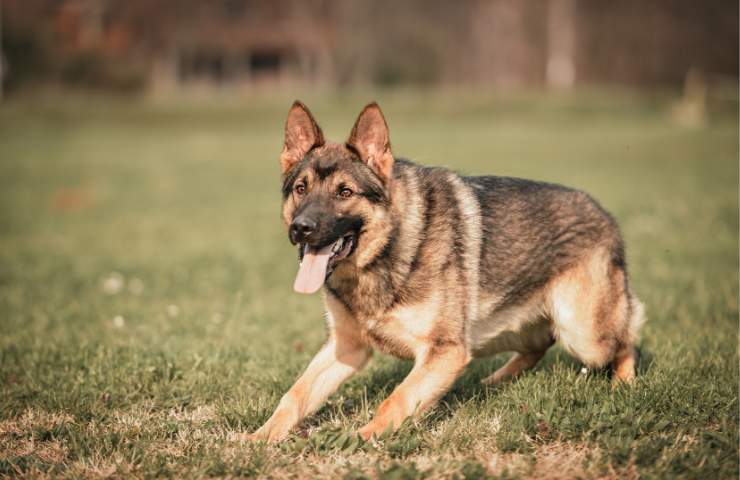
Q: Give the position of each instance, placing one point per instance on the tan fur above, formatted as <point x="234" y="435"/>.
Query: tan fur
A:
<point x="587" y="309"/>
<point x="624" y="365"/>
<point x="433" y="374"/>
<point x="590" y="310"/>
<point x="370" y="138"/>
<point x="301" y="134"/>
<point x="439" y="302"/>
<point x="342" y="356"/>
<point x="518" y="363"/>
<point x="518" y="328"/>
<point x="405" y="331"/>
<point x="470" y="212"/>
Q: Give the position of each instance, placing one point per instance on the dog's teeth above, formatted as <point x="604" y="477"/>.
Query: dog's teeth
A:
<point x="337" y="246"/>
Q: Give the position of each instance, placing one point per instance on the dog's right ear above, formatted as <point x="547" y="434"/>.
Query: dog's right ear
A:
<point x="371" y="140"/>
<point x="302" y="133"/>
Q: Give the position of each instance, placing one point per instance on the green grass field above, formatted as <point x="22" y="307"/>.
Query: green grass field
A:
<point x="147" y="315"/>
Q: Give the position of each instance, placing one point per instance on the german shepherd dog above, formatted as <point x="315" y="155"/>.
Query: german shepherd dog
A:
<point x="425" y="264"/>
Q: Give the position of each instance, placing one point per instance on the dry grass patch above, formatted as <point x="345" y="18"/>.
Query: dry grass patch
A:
<point x="198" y="416"/>
<point x="19" y="437"/>
<point x="558" y="461"/>
<point x="26" y="438"/>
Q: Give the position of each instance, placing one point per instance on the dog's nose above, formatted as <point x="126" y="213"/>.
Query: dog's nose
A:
<point x="301" y="228"/>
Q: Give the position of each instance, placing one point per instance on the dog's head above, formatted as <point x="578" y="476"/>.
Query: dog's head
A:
<point x="336" y="196"/>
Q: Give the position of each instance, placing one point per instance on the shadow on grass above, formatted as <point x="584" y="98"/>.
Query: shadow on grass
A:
<point x="377" y="383"/>
<point x="645" y="360"/>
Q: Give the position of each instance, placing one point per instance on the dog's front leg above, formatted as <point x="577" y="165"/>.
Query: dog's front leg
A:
<point x="433" y="374"/>
<point x="338" y="359"/>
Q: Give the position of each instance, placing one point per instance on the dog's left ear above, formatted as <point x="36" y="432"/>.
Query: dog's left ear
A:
<point x="371" y="140"/>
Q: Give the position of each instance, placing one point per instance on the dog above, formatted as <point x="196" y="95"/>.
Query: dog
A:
<point x="424" y="264"/>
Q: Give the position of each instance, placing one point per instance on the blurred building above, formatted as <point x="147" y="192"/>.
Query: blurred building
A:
<point x="159" y="44"/>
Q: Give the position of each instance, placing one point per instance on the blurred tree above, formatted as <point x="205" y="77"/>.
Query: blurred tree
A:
<point x="161" y="44"/>
<point x="561" y="33"/>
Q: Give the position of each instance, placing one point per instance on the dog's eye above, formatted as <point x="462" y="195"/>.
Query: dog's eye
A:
<point x="300" y="189"/>
<point x="345" y="192"/>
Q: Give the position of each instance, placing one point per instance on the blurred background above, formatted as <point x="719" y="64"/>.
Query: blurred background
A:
<point x="126" y="125"/>
<point x="155" y="46"/>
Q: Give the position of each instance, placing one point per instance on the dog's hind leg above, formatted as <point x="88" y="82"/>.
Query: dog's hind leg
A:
<point x="624" y="363"/>
<point x="516" y="365"/>
<point x="596" y="318"/>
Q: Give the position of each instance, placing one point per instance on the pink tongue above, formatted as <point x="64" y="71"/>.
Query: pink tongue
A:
<point x="312" y="272"/>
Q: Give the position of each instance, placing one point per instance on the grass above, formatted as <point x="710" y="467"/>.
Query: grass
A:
<point x="147" y="314"/>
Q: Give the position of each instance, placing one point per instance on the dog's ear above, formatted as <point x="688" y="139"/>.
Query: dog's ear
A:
<point x="371" y="140"/>
<point x="302" y="133"/>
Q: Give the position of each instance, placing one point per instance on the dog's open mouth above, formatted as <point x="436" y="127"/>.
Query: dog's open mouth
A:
<point x="318" y="263"/>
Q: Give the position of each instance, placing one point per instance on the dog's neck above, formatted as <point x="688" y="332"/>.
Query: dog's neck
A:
<point x="374" y="281"/>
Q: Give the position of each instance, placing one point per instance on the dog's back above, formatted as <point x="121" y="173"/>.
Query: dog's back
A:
<point x="532" y="231"/>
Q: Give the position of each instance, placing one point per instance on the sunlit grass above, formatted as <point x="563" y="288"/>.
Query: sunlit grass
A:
<point x="147" y="314"/>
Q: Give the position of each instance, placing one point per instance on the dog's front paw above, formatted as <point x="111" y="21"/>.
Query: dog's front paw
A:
<point x="265" y="433"/>
<point x="365" y="432"/>
<point x="242" y="437"/>
<point x="245" y="437"/>
<point x="375" y="429"/>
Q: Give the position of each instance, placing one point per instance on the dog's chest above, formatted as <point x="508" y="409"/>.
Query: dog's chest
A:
<point x="404" y="331"/>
